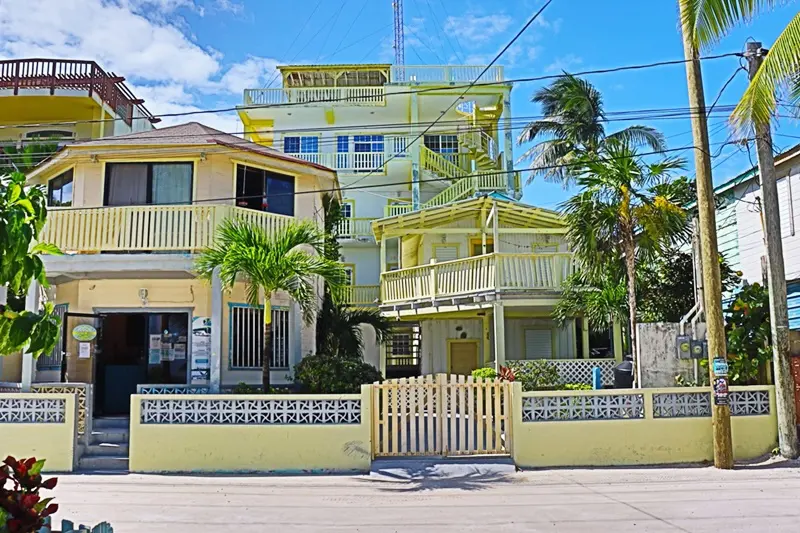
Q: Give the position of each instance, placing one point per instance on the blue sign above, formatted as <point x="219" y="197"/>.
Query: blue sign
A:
<point x="720" y="367"/>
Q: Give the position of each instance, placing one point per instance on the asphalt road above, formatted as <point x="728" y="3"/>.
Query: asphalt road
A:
<point x="760" y="498"/>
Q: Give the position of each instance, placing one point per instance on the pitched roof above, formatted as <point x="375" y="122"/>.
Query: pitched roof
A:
<point x="193" y="134"/>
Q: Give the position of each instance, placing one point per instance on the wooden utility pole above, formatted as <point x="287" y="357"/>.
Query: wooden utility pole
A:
<point x="776" y="276"/>
<point x="709" y="256"/>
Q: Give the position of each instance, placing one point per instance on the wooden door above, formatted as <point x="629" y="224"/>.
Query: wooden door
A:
<point x="463" y="357"/>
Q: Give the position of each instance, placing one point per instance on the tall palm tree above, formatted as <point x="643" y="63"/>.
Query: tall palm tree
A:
<point x="339" y="331"/>
<point x="290" y="260"/>
<point x="707" y="21"/>
<point x="624" y="211"/>
<point x="573" y="126"/>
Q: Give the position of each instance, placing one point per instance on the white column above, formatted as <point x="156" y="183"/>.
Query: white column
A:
<point x="32" y="301"/>
<point x="508" y="142"/>
<point x="215" y="359"/>
<point x="585" y="336"/>
<point x="499" y="335"/>
<point x="415" y="156"/>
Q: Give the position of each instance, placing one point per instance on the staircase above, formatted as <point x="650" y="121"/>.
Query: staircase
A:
<point x="108" y="446"/>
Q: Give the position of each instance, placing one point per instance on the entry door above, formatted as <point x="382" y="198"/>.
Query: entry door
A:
<point x="463" y="357"/>
<point x="81" y="336"/>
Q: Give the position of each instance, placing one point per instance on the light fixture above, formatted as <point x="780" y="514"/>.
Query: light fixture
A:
<point x="143" y="296"/>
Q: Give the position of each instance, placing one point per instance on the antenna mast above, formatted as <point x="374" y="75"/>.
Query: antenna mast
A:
<point x="399" y="40"/>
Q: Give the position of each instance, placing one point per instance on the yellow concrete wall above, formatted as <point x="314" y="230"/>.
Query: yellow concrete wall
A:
<point x="11" y="368"/>
<point x="633" y="442"/>
<point x="53" y="442"/>
<point x="250" y="448"/>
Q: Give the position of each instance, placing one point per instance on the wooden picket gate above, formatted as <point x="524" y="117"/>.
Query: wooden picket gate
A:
<point x="441" y="415"/>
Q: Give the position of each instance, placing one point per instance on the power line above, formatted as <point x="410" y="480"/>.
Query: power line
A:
<point x="473" y="84"/>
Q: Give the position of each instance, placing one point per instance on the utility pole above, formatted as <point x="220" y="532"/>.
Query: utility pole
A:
<point x="709" y="257"/>
<point x="776" y="276"/>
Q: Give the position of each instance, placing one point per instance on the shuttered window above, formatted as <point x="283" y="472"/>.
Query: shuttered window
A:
<point x="247" y="337"/>
<point x="446" y="253"/>
<point x="538" y="344"/>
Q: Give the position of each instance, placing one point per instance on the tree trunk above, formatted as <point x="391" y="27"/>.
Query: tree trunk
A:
<point x="630" y="268"/>
<point x="266" y="351"/>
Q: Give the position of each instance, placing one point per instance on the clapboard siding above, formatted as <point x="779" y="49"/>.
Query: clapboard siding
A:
<point x="793" y="301"/>
<point x="728" y="232"/>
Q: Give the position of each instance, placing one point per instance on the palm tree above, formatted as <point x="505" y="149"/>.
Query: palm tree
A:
<point x="708" y="21"/>
<point x="290" y="260"/>
<point x="625" y="209"/>
<point x="573" y="126"/>
<point x="339" y="331"/>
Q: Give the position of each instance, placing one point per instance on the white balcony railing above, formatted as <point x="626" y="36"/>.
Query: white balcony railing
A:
<point x="355" y="228"/>
<point x="445" y="73"/>
<point x="145" y="227"/>
<point x="395" y="147"/>
<point x="483" y="273"/>
<point x="359" y="96"/>
<point x="362" y="295"/>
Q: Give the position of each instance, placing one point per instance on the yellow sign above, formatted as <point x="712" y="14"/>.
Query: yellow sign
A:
<point x="84" y="333"/>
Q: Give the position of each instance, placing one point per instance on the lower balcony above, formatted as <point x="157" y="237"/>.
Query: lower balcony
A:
<point x="146" y="228"/>
<point x="496" y="273"/>
<point x="359" y="229"/>
<point x="362" y="295"/>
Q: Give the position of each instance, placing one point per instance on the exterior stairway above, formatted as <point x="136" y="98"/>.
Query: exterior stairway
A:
<point x="108" y="446"/>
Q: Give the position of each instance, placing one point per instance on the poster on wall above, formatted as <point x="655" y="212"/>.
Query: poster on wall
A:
<point x="154" y="352"/>
<point x="201" y="350"/>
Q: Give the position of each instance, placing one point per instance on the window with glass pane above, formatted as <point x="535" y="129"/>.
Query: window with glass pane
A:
<point x="172" y="183"/>
<point x="368" y="143"/>
<point x="291" y="145"/>
<point x="301" y="145"/>
<point x="148" y="183"/>
<point x="443" y="144"/>
<point x="347" y="209"/>
<point x="280" y="194"/>
<point x="342" y="143"/>
<point x="59" y="190"/>
<point x="348" y="275"/>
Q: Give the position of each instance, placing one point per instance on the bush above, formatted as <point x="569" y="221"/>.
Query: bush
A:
<point x="325" y="374"/>
<point x="485" y="373"/>
<point x="576" y="386"/>
<point x="535" y="374"/>
<point x="22" y="510"/>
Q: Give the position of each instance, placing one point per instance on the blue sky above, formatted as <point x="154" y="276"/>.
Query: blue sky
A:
<point x="183" y="55"/>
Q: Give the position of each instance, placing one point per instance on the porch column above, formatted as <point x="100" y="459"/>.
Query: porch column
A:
<point x="585" y="336"/>
<point x="499" y="336"/>
<point x="617" y="330"/>
<point x="215" y="359"/>
<point x="508" y="143"/>
<point x="383" y="254"/>
<point x="415" y="152"/>
<point x="382" y="362"/>
<point x="32" y="301"/>
<point x="487" y="346"/>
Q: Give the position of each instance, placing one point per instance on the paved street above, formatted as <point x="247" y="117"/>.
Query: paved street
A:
<point x="761" y="498"/>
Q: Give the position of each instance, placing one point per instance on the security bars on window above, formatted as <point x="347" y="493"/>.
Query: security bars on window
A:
<point x="247" y="337"/>
<point x="32" y="411"/>
<point x="250" y="412"/>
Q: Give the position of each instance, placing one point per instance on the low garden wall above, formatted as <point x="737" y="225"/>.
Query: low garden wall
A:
<point x="250" y="433"/>
<point x="41" y="425"/>
<point x="635" y="426"/>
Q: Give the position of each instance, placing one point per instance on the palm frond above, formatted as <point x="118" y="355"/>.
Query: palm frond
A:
<point x="641" y="136"/>
<point x="777" y="73"/>
<point x="551" y="126"/>
<point x="708" y="21"/>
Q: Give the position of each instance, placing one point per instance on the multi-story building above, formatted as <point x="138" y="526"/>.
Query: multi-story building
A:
<point x="65" y="100"/>
<point x="426" y="168"/>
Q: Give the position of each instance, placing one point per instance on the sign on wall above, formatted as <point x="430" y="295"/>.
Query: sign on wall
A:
<point x="84" y="333"/>
<point x="201" y="350"/>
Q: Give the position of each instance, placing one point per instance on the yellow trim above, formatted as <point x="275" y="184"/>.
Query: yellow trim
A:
<point x="352" y="203"/>
<point x="436" y="245"/>
<point x="72" y="167"/>
<point x="389" y="265"/>
<point x="268" y="169"/>
<point x="352" y="267"/>
<point x="479" y="241"/>
<point x="450" y="343"/>
<point x="552" y="330"/>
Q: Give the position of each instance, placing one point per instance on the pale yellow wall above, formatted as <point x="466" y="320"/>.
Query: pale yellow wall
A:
<point x="251" y="448"/>
<point x="633" y="442"/>
<point x="11" y="368"/>
<point x="53" y="442"/>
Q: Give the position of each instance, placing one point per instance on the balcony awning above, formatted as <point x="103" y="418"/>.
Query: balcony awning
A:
<point x="511" y="214"/>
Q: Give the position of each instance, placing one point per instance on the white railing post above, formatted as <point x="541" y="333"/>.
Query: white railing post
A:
<point x="433" y="280"/>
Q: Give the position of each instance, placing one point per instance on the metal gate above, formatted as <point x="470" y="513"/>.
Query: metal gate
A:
<point x="441" y="415"/>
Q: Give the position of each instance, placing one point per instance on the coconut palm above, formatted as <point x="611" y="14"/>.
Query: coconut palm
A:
<point x="290" y="260"/>
<point x="626" y="210"/>
<point x="707" y="21"/>
<point x="572" y="126"/>
<point x="339" y="331"/>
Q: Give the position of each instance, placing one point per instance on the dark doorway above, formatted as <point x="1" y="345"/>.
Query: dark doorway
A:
<point x="263" y="190"/>
<point x="139" y="348"/>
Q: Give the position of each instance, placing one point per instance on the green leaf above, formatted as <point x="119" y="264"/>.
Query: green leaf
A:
<point x="36" y="469"/>
<point x="27" y="206"/>
<point x="14" y="192"/>
<point x="46" y="248"/>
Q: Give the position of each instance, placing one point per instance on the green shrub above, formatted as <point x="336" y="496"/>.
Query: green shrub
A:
<point x="325" y="374"/>
<point x="485" y="373"/>
<point x="535" y="374"/>
<point x="244" y="388"/>
<point x="577" y="386"/>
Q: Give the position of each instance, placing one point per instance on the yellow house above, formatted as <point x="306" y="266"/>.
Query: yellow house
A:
<point x="476" y="281"/>
<point x="66" y="99"/>
<point x="130" y="213"/>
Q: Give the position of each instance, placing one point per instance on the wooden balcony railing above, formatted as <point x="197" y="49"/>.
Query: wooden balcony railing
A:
<point x="445" y="73"/>
<point x="362" y="295"/>
<point x="354" y="228"/>
<point x="145" y="227"/>
<point x="331" y="96"/>
<point x="480" y="274"/>
<point x="52" y="74"/>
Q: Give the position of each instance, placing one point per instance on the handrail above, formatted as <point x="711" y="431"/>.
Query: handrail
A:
<point x="445" y="73"/>
<point x="360" y="96"/>
<point x="365" y="295"/>
<point x="430" y="160"/>
<point x="355" y="227"/>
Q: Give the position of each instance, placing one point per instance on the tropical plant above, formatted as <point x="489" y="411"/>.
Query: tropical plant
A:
<point x="535" y="374"/>
<point x="290" y="260"/>
<point x="573" y="125"/>
<point x="624" y="211"/>
<point x="707" y="21"/>
<point x="484" y="373"/>
<point x="23" y="212"/>
<point x="22" y="509"/>
<point x="748" y="331"/>
<point x="326" y="374"/>
<point x="602" y="299"/>
<point x="339" y="332"/>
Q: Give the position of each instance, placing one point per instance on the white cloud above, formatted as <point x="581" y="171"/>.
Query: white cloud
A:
<point x="230" y="6"/>
<point x="251" y="73"/>
<point x="564" y="63"/>
<point x="475" y="30"/>
<point x="173" y="98"/>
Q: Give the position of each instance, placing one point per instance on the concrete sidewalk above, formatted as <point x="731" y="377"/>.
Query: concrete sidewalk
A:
<point x="763" y="498"/>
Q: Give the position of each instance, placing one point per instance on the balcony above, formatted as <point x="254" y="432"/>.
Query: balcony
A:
<point x="356" y="228"/>
<point x="474" y="276"/>
<point x="445" y="74"/>
<point x="71" y="75"/>
<point x="362" y="295"/>
<point x="394" y="148"/>
<point x="357" y="96"/>
<point x="146" y="228"/>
